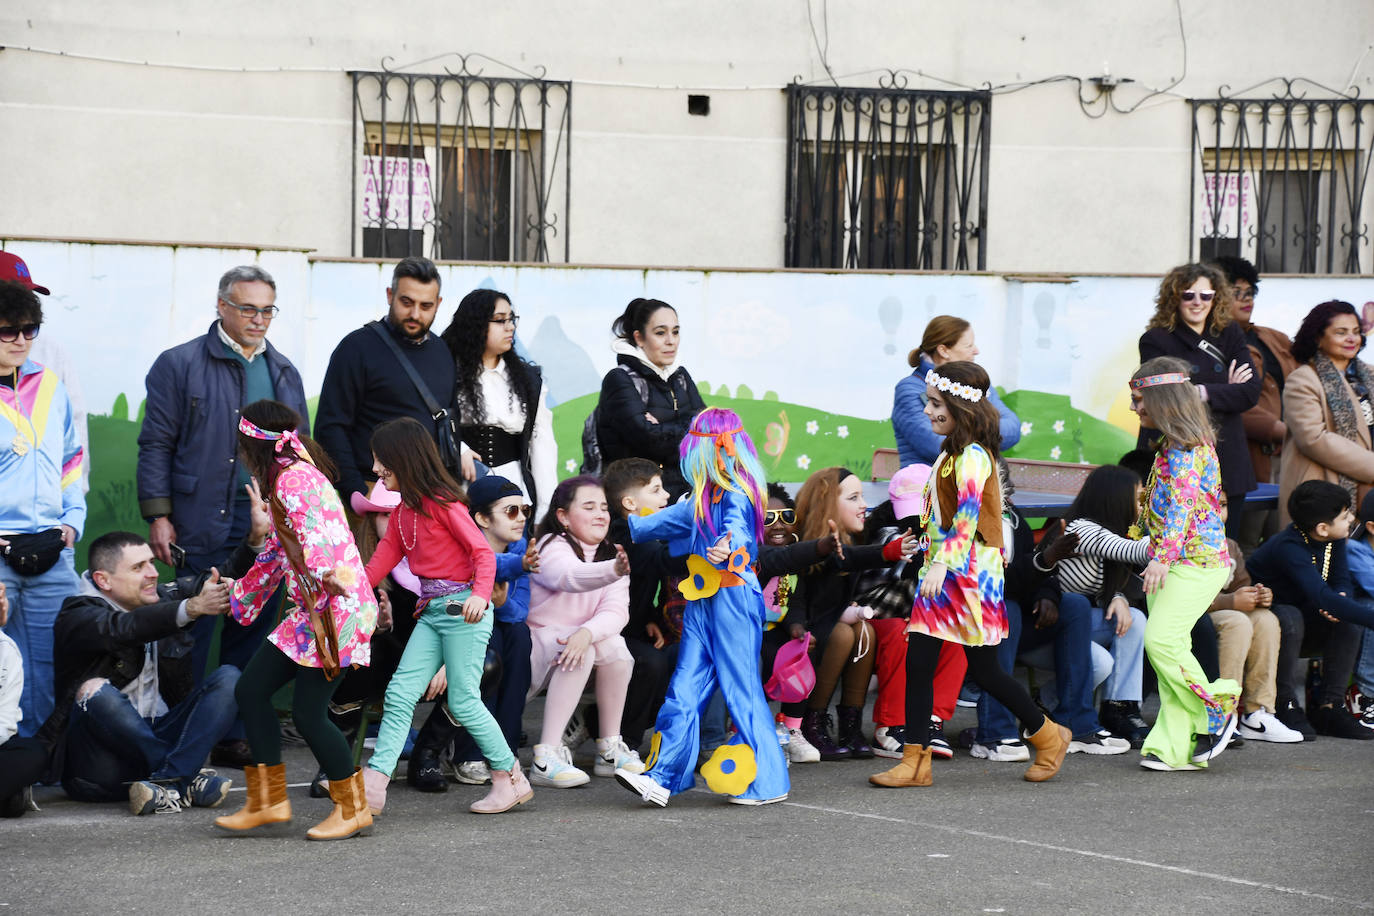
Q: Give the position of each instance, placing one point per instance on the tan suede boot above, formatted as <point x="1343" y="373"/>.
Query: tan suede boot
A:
<point x="266" y="802"/>
<point x="350" y="816"/>
<point x="1051" y="743"/>
<point x="914" y="770"/>
<point x="508" y="789"/>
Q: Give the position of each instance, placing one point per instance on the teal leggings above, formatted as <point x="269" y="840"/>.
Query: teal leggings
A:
<point x="441" y="639"/>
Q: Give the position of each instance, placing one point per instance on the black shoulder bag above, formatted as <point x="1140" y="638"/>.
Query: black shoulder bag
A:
<point x="446" y="434"/>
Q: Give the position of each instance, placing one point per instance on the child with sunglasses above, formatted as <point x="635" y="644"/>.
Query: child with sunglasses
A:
<point x="1194" y="322"/>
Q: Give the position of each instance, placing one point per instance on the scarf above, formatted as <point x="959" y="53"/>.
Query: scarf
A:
<point x="1343" y="409"/>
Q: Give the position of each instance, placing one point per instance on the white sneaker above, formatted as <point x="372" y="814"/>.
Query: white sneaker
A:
<point x="1262" y="725"/>
<point x="472" y="773"/>
<point x="736" y="800"/>
<point x="613" y="754"/>
<point x="1008" y="750"/>
<point x="799" y="750"/>
<point x="644" y="787"/>
<point x="887" y="741"/>
<point x="553" y="766"/>
<point x="1100" y="743"/>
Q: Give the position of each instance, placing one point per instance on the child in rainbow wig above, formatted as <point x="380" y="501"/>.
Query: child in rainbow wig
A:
<point x="719" y="525"/>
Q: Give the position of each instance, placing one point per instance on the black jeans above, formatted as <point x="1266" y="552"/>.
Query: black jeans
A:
<point x="22" y="762"/>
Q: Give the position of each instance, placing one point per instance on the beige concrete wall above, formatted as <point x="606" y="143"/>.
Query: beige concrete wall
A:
<point x="123" y="150"/>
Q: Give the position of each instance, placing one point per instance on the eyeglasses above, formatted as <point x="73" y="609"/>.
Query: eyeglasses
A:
<point x="1245" y="295"/>
<point x="10" y="335"/>
<point x="1189" y="295"/>
<point x="512" y="319"/>
<point x="248" y="311"/>
<point x="514" y="512"/>
<point x="772" y="516"/>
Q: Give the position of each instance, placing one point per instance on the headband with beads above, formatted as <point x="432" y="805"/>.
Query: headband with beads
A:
<point x="958" y="389"/>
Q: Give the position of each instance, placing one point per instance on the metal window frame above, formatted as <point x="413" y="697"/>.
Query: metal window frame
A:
<point x="936" y="143"/>
<point x="1324" y="143"/>
<point x="527" y="115"/>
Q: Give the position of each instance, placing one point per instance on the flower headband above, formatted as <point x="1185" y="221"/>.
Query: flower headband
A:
<point x="967" y="392"/>
<point x="286" y="437"/>
<point x="1150" y="381"/>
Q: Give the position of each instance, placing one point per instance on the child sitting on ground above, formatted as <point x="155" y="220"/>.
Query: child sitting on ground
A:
<point x="1305" y="564"/>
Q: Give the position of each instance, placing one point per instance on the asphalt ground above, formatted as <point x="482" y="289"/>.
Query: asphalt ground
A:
<point x="1285" y="829"/>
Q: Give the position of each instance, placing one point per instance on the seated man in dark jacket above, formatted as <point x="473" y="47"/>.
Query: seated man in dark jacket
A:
<point x="128" y="722"/>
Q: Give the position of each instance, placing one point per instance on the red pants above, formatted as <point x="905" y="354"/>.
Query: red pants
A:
<point x="890" y="707"/>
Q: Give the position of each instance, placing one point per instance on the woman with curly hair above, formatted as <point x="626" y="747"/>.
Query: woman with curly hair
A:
<point x="1193" y="321"/>
<point x="505" y="422"/>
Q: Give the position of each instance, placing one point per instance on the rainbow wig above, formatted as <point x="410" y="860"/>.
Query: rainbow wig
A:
<point x="718" y="455"/>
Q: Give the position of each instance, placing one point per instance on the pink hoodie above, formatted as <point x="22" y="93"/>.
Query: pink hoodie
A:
<point x="568" y="593"/>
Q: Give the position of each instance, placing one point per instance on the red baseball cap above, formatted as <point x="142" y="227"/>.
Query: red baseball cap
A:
<point x="13" y="268"/>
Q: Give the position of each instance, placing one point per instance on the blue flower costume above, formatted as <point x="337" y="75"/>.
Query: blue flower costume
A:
<point x="722" y="633"/>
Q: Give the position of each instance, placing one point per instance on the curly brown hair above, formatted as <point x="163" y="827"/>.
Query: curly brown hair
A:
<point x="1179" y="279"/>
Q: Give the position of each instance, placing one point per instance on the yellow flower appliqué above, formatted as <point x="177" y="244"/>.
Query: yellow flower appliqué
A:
<point x="704" y="580"/>
<point x="731" y="769"/>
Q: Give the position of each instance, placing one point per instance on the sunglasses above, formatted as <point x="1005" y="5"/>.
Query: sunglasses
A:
<point x="1189" y="295"/>
<point x="772" y="516"/>
<point x="514" y="512"/>
<point x="10" y="335"/>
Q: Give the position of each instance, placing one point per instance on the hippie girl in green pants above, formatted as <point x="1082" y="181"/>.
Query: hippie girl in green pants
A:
<point x="1189" y="565"/>
<point x="444" y="547"/>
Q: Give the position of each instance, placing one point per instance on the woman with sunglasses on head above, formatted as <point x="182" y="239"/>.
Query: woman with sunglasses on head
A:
<point x="1193" y="321"/>
<point x="501" y="396"/>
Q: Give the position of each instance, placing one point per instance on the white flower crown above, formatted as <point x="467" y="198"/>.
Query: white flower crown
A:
<point x="958" y="389"/>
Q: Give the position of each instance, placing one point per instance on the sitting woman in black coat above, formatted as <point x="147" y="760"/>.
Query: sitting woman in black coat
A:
<point x="1193" y="322"/>
<point x="648" y="400"/>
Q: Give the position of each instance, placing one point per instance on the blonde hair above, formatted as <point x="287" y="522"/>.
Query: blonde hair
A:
<point x="943" y="331"/>
<point x="1177" y="410"/>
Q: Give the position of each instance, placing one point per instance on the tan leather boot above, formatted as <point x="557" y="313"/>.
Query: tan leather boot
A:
<point x="1051" y="743"/>
<point x="914" y="770"/>
<point x="350" y="816"/>
<point x="266" y="802"/>
<point x="508" y="789"/>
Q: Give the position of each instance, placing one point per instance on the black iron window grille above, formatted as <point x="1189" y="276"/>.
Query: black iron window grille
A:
<point x="887" y="178"/>
<point x="461" y="165"/>
<point x="1283" y="181"/>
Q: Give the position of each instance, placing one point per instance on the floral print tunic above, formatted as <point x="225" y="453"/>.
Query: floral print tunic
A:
<point x="316" y="516"/>
<point x="1183" y="509"/>
<point x="970" y="608"/>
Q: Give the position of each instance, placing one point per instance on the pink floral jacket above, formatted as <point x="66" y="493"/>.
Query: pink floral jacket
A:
<point x="316" y="516"/>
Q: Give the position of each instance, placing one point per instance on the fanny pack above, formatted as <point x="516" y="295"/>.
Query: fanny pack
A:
<point x="33" y="554"/>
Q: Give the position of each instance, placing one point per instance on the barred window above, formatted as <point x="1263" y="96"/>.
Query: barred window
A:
<point x="887" y="178"/>
<point x="460" y="166"/>
<point x="1283" y="181"/>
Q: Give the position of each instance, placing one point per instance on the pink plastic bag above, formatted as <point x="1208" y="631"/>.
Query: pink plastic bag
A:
<point x="793" y="674"/>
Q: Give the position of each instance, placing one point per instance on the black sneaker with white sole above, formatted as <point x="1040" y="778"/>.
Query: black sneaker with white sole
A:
<point x="939" y="744"/>
<point x="1209" y="746"/>
<point x="1100" y="743"/>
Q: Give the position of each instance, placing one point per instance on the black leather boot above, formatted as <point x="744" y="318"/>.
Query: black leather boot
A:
<point x="423" y="773"/>
<point x="816" y="729"/>
<point x="851" y="733"/>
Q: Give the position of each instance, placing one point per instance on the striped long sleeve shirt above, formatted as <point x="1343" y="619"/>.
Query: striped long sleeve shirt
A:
<point x="1083" y="574"/>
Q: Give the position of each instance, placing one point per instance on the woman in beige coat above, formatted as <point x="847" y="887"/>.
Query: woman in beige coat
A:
<point x="1327" y="406"/>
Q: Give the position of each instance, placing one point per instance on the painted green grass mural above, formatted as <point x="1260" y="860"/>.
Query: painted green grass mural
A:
<point x="1054" y="430"/>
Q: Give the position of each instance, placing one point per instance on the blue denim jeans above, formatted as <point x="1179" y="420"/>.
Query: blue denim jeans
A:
<point x="109" y="745"/>
<point x="1128" y="655"/>
<point x="995" y="721"/>
<point x="34" y="603"/>
<point x="1364" y="662"/>
<point x="1071" y="637"/>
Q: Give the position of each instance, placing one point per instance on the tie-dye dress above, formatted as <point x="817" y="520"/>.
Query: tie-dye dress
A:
<point x="970" y="609"/>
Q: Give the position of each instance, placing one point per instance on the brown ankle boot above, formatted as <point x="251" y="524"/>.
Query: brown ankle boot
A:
<point x="914" y="770"/>
<point x="266" y="802"/>
<point x="350" y="816"/>
<point x="1051" y="743"/>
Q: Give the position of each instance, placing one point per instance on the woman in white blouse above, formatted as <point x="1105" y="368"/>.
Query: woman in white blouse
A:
<point x="501" y="398"/>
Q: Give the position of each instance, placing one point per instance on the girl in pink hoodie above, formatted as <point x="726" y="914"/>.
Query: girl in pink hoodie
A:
<point x="579" y="603"/>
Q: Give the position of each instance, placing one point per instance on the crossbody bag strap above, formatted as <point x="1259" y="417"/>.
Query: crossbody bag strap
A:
<point x="435" y="411"/>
